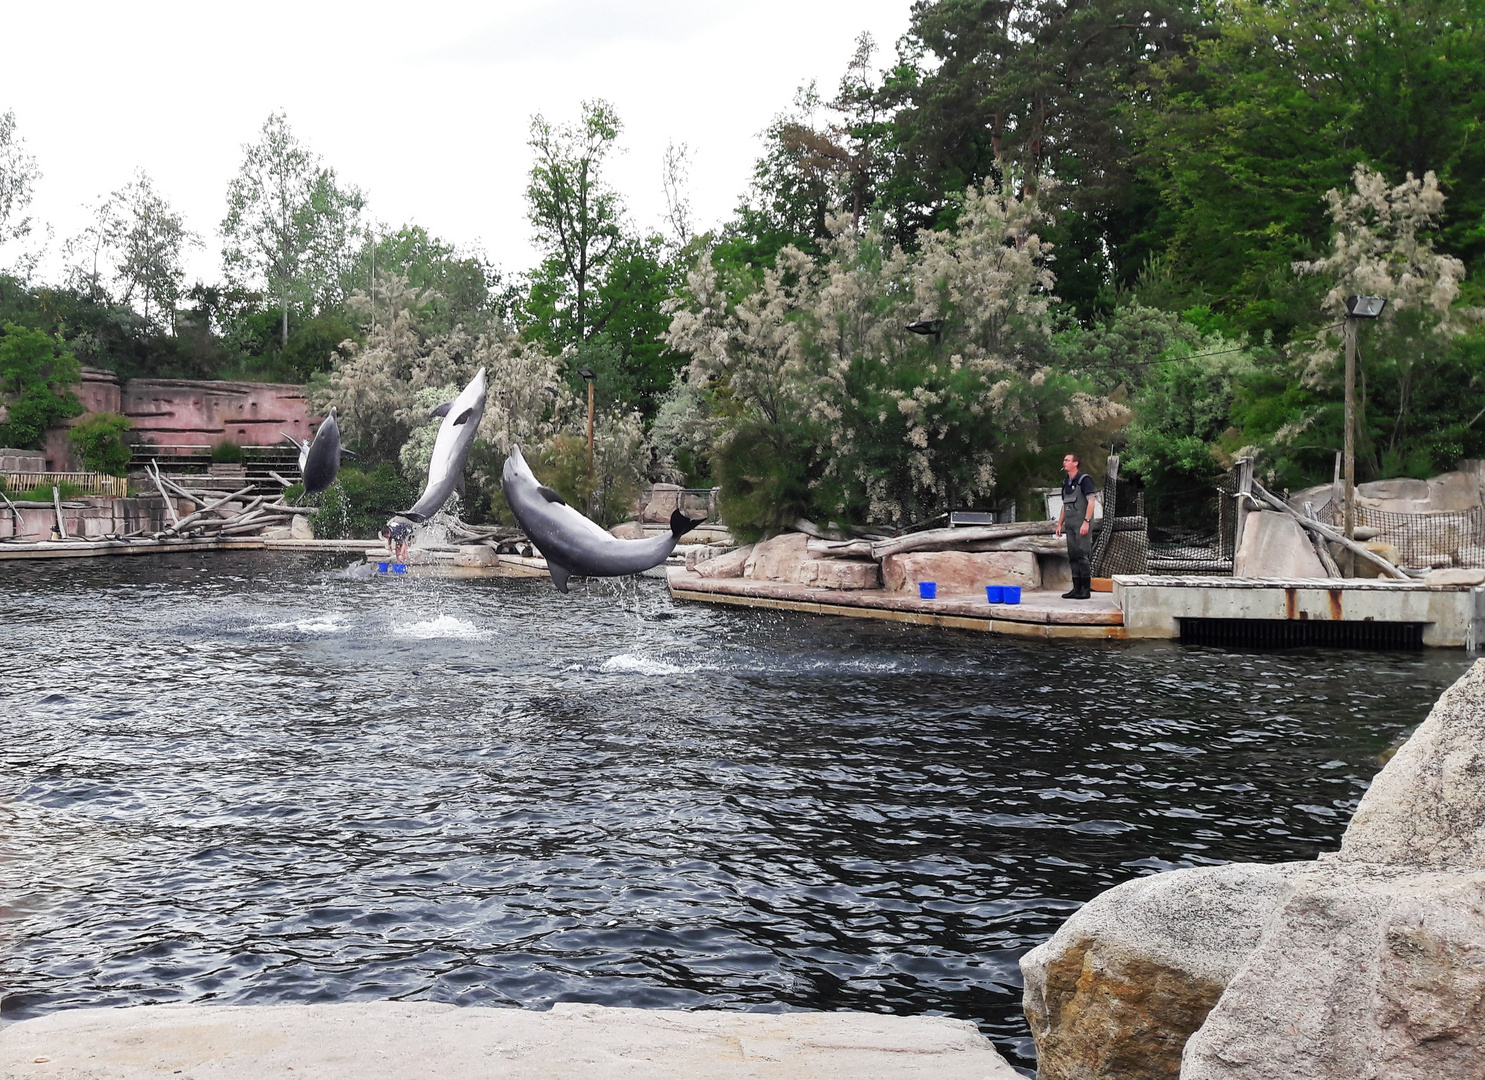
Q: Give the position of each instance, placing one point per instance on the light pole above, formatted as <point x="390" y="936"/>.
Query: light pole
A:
<point x="1357" y="307"/>
<point x="587" y="373"/>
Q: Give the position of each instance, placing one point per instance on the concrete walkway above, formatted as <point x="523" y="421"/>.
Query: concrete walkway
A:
<point x="1041" y="613"/>
<point x="389" y="1040"/>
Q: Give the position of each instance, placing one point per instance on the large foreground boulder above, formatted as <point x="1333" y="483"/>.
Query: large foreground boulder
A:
<point x="1361" y="973"/>
<point x="1368" y="963"/>
<point x="1121" y="986"/>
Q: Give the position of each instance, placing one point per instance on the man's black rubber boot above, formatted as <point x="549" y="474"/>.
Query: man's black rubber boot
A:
<point x="1082" y="588"/>
<point x="1073" y="595"/>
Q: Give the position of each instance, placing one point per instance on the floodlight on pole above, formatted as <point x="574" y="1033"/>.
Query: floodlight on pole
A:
<point x="1357" y="307"/>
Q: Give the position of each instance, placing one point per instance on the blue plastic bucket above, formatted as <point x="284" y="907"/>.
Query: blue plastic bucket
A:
<point x="399" y="568"/>
<point x="928" y="590"/>
<point x="381" y="567"/>
<point x="995" y="594"/>
<point x="1011" y="594"/>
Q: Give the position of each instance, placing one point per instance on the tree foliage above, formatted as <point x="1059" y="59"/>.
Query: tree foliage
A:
<point x="37" y="373"/>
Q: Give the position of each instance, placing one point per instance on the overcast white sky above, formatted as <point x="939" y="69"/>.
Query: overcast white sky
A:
<point x="425" y="106"/>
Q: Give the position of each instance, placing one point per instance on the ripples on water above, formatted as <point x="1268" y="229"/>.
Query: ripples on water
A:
<point x="240" y="779"/>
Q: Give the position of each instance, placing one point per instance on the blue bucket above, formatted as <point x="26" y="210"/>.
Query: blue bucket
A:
<point x="995" y="594"/>
<point x="399" y="568"/>
<point x="381" y="567"/>
<point x="927" y="590"/>
<point x="1011" y="593"/>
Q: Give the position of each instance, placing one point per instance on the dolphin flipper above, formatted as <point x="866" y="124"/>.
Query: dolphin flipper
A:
<point x="560" y="574"/>
<point x="549" y="495"/>
<point x="442" y="410"/>
<point x="464" y="417"/>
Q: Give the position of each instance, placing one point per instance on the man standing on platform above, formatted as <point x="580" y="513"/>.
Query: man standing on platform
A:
<point x="1078" y="499"/>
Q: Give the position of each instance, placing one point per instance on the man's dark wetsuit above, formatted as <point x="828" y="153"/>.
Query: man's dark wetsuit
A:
<point x="1077" y="492"/>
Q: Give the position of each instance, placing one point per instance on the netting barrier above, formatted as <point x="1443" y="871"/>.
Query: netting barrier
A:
<point x="1429" y="541"/>
<point x="1194" y="536"/>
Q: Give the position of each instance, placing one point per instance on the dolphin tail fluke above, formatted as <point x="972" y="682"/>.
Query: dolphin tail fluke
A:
<point x="680" y="524"/>
<point x="560" y="574"/>
<point x="413" y="515"/>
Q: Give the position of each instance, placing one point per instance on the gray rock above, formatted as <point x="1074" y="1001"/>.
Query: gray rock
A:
<point x="392" y="1040"/>
<point x="729" y="565"/>
<point x="1361" y="973"/>
<point x="1426" y="808"/>
<point x="1123" y="983"/>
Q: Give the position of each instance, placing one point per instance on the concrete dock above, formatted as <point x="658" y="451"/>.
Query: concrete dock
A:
<point x="1042" y="613"/>
<point x="395" y="1040"/>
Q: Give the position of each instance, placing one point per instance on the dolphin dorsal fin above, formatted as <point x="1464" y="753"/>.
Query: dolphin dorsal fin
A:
<point x="464" y="417"/>
<point x="442" y="410"/>
<point x="549" y="495"/>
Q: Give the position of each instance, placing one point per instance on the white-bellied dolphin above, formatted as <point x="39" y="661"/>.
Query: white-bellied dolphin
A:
<point x="570" y="543"/>
<point x="461" y="419"/>
<point x="319" y="461"/>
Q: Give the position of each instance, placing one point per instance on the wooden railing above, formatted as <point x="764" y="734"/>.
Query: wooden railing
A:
<point x="94" y="483"/>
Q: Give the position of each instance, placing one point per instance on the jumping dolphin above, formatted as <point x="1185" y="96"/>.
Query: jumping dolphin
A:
<point x="461" y="419"/>
<point x="319" y="461"/>
<point x="570" y="542"/>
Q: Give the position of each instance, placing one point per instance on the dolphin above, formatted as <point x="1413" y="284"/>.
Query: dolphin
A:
<point x="319" y="461"/>
<point x="461" y="419"/>
<point x="571" y="543"/>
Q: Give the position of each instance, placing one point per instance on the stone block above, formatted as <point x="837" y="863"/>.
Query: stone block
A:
<point x="960" y="571"/>
<point x="1275" y="546"/>
<point x="728" y="565"/>
<point x="1055" y="571"/>
<point x="665" y="499"/>
<point x="777" y="558"/>
<point x="301" y="529"/>
<point x="840" y="574"/>
<point x="1365" y="568"/>
<point x="1455" y="576"/>
<point x="629" y="530"/>
<point x="476" y="555"/>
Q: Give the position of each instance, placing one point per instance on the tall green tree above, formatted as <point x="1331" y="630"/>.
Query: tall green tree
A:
<point x="576" y="214"/>
<point x="291" y="226"/>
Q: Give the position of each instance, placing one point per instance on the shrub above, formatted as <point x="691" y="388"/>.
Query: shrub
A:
<point x="359" y="503"/>
<point x="226" y="453"/>
<point x="100" y="443"/>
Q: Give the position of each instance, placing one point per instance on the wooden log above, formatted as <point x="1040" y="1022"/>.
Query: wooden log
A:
<point x="1330" y="534"/>
<point x="1322" y="549"/>
<point x="190" y="518"/>
<point x="280" y="479"/>
<point x="160" y="487"/>
<point x="57" y="505"/>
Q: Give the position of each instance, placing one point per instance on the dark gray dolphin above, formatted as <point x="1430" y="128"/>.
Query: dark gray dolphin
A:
<point x="461" y="419"/>
<point x="571" y="543"/>
<point x="319" y="461"/>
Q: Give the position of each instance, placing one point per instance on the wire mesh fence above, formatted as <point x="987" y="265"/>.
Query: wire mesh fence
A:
<point x="1426" y="541"/>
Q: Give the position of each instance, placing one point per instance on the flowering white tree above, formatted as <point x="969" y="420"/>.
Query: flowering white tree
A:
<point x="818" y="363"/>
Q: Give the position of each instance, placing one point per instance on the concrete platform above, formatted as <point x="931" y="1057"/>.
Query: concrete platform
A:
<point x="390" y="1040"/>
<point x="83" y="549"/>
<point x="1452" y="616"/>
<point x="1041" y="613"/>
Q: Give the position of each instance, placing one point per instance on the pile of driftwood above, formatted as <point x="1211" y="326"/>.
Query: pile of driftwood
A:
<point x="238" y="514"/>
<point x="1036" y="536"/>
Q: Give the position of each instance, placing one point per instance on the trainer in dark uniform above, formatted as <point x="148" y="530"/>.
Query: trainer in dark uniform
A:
<point x="1078" y="498"/>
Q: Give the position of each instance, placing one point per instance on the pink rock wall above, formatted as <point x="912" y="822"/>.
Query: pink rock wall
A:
<point x="187" y="415"/>
<point x="200" y="413"/>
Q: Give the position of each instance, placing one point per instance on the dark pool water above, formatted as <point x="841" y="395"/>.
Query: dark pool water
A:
<point x="240" y="779"/>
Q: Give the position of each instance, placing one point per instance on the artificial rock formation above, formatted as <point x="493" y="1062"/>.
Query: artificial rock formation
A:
<point x="787" y="558"/>
<point x="960" y="571"/>
<point x="1367" y="963"/>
